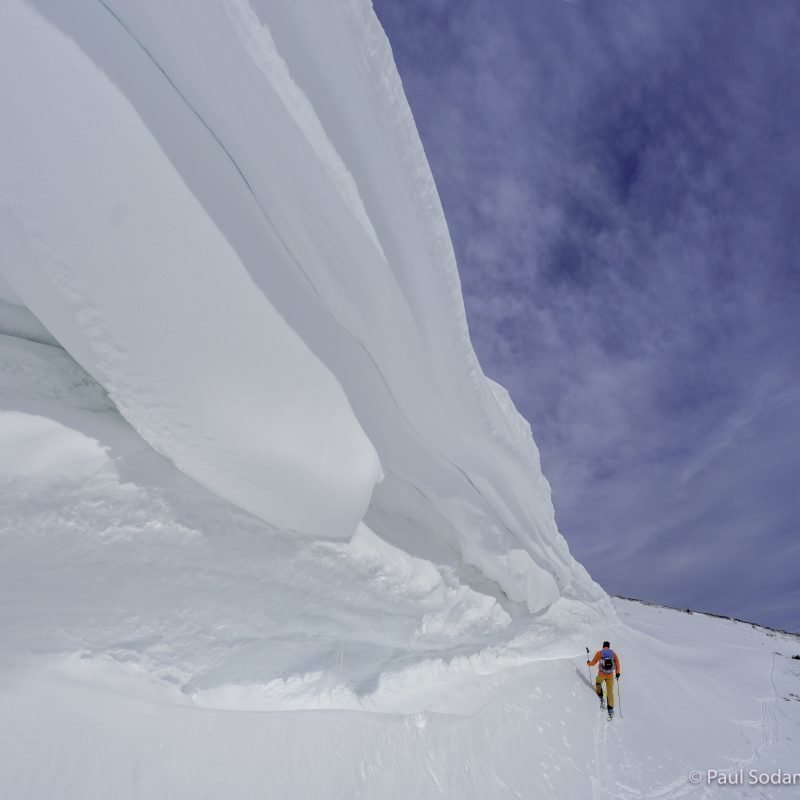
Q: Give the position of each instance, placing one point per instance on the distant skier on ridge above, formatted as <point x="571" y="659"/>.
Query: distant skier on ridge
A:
<point x="608" y="667"/>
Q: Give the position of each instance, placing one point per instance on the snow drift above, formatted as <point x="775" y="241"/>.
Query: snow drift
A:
<point x="227" y="218"/>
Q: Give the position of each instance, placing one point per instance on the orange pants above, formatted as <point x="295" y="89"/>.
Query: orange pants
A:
<point x="609" y="681"/>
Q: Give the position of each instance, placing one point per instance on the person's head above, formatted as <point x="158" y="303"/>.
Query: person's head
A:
<point x="606" y="644"/>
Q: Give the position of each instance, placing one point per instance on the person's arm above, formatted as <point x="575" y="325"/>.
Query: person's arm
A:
<point x="616" y="664"/>
<point x="595" y="659"/>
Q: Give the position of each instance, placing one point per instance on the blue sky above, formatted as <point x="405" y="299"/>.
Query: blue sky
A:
<point x="622" y="186"/>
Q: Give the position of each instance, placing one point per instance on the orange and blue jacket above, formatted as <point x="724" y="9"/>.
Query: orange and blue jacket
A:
<point x="597" y="658"/>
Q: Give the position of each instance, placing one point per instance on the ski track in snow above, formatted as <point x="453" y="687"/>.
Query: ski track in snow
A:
<point x="603" y="774"/>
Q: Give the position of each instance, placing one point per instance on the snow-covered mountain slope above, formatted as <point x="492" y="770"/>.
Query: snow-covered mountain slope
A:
<point x="698" y="694"/>
<point x="159" y="642"/>
<point x="228" y="220"/>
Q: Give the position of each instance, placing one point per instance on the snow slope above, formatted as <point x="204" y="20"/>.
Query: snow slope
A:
<point x="81" y="727"/>
<point x="157" y="641"/>
<point x="236" y="233"/>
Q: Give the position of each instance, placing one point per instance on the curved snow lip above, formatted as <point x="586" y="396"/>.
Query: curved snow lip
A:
<point x="139" y="285"/>
<point x="251" y="163"/>
<point x="461" y="686"/>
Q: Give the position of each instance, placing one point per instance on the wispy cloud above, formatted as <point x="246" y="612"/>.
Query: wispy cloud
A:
<point x="622" y="183"/>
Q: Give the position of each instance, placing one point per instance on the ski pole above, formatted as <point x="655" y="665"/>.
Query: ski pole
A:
<point x="588" y="667"/>
<point x="619" y="698"/>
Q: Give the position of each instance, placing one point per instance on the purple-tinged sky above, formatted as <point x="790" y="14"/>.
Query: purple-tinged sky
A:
<point x="622" y="185"/>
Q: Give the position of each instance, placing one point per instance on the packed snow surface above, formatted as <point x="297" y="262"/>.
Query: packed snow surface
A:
<point x="226" y="217"/>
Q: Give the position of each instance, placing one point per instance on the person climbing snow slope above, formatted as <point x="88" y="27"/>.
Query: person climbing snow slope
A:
<point x="607" y="669"/>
